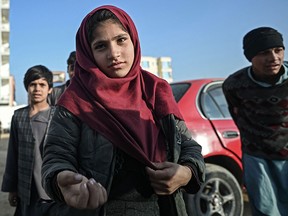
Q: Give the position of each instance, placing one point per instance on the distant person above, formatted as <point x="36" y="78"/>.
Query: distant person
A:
<point x="258" y="102"/>
<point x="117" y="143"/>
<point x="22" y="176"/>
<point x="58" y="90"/>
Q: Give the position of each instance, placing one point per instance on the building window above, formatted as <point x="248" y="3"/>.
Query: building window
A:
<point x="145" y="64"/>
<point x="166" y="64"/>
<point x="167" y="75"/>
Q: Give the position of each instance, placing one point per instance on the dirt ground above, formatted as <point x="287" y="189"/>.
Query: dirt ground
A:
<point x="5" y="208"/>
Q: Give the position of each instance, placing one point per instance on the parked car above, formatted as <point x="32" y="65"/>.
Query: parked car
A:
<point x="205" y="110"/>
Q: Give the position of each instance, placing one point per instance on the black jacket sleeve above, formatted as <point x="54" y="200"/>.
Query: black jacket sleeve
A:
<point x="184" y="150"/>
<point x="192" y="157"/>
<point x="60" y="149"/>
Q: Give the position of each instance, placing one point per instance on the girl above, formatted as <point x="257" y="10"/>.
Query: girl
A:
<point x="117" y="144"/>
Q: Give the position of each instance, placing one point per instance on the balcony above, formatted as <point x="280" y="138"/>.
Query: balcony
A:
<point x="4" y="73"/>
<point x="5" y="27"/>
<point x="5" y="49"/>
<point x="5" y="4"/>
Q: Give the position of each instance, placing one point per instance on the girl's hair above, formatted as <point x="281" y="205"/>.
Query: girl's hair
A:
<point x="38" y="72"/>
<point x="98" y="17"/>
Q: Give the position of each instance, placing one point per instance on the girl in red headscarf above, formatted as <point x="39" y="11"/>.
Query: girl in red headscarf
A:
<point x="117" y="142"/>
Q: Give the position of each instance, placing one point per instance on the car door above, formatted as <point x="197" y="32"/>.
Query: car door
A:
<point x="214" y="107"/>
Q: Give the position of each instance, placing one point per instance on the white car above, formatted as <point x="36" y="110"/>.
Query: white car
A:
<point x="6" y="116"/>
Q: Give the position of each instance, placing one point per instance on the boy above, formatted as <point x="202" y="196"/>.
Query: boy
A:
<point x="22" y="176"/>
<point x="258" y="102"/>
<point x="58" y="90"/>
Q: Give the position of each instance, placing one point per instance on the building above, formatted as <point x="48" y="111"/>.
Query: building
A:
<point x="160" y="66"/>
<point x="59" y="77"/>
<point x="7" y="83"/>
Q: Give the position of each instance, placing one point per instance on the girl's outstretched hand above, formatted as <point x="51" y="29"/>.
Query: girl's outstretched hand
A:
<point x="79" y="192"/>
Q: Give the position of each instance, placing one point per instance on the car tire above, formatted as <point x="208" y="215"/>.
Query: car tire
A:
<point x="220" y="195"/>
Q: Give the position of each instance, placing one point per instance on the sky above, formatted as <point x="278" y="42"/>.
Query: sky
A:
<point x="203" y="38"/>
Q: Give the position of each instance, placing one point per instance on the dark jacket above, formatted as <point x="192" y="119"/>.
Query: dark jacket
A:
<point x="72" y="145"/>
<point x="56" y="93"/>
<point x="20" y="156"/>
<point x="18" y="175"/>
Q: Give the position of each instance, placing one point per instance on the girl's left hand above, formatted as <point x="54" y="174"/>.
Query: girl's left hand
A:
<point x="168" y="177"/>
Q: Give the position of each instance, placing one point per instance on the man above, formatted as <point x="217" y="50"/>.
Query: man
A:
<point x="22" y="176"/>
<point x="57" y="91"/>
<point x="258" y="102"/>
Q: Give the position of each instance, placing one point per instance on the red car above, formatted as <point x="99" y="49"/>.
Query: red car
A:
<point x="205" y="110"/>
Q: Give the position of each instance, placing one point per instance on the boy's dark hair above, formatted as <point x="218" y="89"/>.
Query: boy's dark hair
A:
<point x="38" y="72"/>
<point x="72" y="58"/>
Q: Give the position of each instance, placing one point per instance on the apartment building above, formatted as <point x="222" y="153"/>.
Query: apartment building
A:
<point x="160" y="66"/>
<point x="7" y="83"/>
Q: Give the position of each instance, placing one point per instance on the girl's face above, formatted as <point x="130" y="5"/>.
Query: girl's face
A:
<point x="112" y="49"/>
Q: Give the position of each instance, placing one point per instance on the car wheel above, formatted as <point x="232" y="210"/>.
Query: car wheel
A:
<point x="220" y="195"/>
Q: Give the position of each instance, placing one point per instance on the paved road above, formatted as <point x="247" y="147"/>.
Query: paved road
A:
<point x="7" y="210"/>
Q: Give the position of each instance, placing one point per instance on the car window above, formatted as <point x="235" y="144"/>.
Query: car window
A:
<point x="213" y="102"/>
<point x="218" y="95"/>
<point x="179" y="90"/>
<point x="209" y="107"/>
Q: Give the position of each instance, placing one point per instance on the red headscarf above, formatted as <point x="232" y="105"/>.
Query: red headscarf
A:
<point x="124" y="110"/>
